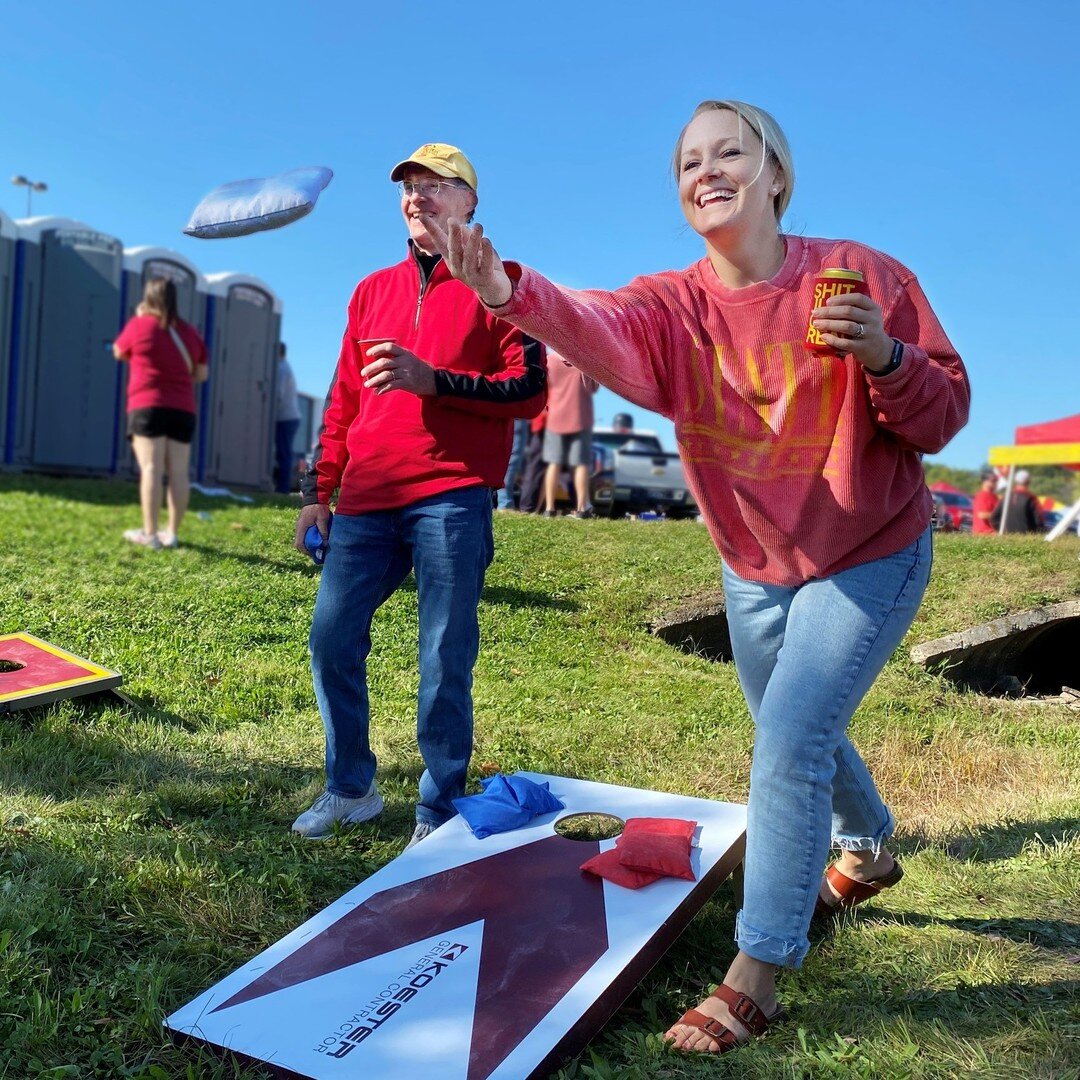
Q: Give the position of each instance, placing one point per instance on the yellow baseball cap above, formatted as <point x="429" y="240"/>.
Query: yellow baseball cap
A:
<point x="442" y="159"/>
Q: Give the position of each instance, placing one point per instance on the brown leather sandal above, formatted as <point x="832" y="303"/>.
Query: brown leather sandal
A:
<point x="743" y="1008"/>
<point x="852" y="892"/>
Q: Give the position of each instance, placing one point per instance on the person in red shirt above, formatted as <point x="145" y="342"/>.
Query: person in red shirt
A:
<point x="167" y="359"/>
<point x="984" y="504"/>
<point x="807" y="470"/>
<point x="568" y="437"/>
<point x="415" y="439"/>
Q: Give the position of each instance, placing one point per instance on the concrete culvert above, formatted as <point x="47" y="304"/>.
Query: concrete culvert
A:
<point x="700" y="628"/>
<point x="1034" y="652"/>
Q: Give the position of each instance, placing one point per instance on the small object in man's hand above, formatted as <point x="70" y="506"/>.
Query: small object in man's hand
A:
<point x="317" y="545"/>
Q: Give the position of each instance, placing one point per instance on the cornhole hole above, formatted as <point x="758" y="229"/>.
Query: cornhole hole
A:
<point x="33" y="672"/>
<point x="467" y="959"/>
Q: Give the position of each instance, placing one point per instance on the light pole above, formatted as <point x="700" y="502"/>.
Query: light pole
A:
<point x="31" y="186"/>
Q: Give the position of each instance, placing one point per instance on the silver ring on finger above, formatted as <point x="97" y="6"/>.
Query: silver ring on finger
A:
<point x="860" y="330"/>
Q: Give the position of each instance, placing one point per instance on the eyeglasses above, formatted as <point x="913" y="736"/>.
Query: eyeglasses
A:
<point x="427" y="188"/>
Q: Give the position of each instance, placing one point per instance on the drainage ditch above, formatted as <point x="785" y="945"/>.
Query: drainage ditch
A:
<point x="1033" y="653"/>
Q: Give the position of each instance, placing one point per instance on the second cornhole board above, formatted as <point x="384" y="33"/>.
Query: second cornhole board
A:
<point x="46" y="673"/>
<point x="467" y="959"/>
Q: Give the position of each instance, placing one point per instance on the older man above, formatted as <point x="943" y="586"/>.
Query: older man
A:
<point x="416" y="436"/>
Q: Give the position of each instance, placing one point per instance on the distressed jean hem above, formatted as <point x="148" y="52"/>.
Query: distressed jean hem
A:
<point x="867" y="843"/>
<point x="766" y="948"/>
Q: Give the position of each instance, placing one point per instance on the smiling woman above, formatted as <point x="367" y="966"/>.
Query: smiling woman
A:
<point x="755" y="151"/>
<point x="807" y="471"/>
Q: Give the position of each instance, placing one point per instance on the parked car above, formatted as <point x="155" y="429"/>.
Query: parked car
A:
<point x="634" y="474"/>
<point x="941" y="520"/>
<point x="958" y="507"/>
<point x="1052" y="517"/>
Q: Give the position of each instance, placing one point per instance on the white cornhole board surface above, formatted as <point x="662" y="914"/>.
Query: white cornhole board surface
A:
<point x="465" y="959"/>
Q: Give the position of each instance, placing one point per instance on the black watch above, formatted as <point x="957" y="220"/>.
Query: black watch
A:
<point x="895" y="360"/>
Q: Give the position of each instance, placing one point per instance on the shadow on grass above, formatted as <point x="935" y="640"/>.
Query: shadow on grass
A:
<point x="1046" y="933"/>
<point x="990" y="843"/>
<point x="121" y="491"/>
<point x="300" y="565"/>
<point x="965" y="1009"/>
<point x="96" y="491"/>
<point x="505" y="595"/>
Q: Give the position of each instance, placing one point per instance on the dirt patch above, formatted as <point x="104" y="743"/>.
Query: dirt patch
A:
<point x="699" y="627"/>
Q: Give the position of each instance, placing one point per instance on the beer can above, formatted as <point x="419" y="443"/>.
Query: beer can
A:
<point x="832" y="281"/>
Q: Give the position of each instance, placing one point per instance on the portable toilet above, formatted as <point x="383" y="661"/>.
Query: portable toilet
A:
<point x="140" y="265"/>
<point x="66" y="314"/>
<point x="8" y="234"/>
<point x="235" y="447"/>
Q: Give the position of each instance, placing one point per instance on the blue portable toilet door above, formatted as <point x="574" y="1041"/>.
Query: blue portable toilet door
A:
<point x="75" y="405"/>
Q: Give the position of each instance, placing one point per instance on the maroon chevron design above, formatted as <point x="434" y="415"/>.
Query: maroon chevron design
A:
<point x="545" y="925"/>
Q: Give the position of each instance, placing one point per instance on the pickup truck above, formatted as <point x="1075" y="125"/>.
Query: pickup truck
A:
<point x="633" y="473"/>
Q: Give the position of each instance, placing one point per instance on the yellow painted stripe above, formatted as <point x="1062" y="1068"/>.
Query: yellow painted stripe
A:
<point x="30" y="691"/>
<point x="1036" y="454"/>
<point x="86" y="665"/>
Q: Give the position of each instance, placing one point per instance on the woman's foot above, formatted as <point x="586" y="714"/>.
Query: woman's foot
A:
<point x="167" y="539"/>
<point x="143" y="539"/>
<point x="877" y="871"/>
<point x="754" y="983"/>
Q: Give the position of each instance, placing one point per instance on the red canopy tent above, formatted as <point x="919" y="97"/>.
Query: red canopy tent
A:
<point x="1065" y="430"/>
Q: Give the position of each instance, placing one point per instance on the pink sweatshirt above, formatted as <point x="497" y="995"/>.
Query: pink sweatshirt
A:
<point x="802" y="465"/>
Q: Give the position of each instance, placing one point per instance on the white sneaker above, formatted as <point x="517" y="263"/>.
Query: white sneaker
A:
<point x="318" y="822"/>
<point x="167" y="539"/>
<point x="137" y="536"/>
<point x="422" y="831"/>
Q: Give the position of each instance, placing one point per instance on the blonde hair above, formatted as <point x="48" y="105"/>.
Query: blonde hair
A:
<point x="773" y="141"/>
<point x="159" y="300"/>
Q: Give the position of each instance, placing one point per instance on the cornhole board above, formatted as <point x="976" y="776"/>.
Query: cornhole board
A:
<point x="466" y="959"/>
<point x="47" y="674"/>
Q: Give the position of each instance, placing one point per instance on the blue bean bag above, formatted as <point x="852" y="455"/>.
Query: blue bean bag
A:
<point x="505" y="803"/>
<point x="248" y="206"/>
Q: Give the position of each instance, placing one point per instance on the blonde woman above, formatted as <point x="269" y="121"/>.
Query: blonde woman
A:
<point x="167" y="358"/>
<point x="807" y="471"/>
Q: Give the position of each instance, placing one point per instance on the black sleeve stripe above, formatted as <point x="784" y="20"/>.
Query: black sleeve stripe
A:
<point x="499" y="391"/>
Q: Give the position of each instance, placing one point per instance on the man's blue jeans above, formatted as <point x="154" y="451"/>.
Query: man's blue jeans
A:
<point x="806" y="656"/>
<point x="446" y="540"/>
<point x="284" y="458"/>
<point x="517" y="459"/>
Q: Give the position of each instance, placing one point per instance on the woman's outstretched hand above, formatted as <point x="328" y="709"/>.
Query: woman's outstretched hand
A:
<point x="471" y="258"/>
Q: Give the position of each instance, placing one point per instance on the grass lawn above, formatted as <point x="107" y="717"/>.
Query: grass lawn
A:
<point x="145" y="853"/>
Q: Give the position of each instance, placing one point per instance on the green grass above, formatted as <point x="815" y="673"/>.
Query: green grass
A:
<point x="145" y="852"/>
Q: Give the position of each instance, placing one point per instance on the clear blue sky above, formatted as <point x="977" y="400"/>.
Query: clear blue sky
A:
<point x="942" y="133"/>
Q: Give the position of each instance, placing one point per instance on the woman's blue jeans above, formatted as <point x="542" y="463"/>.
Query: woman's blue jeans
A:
<point x="806" y="656"/>
<point x="446" y="540"/>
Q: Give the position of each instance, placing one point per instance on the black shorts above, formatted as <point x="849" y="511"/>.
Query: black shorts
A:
<point x="159" y="422"/>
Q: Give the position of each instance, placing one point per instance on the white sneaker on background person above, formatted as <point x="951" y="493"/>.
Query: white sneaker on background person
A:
<point x="137" y="536"/>
<point x="167" y="539"/>
<point x="318" y="822"/>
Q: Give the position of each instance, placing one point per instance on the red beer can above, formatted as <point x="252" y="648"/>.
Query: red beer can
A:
<point x="832" y="282"/>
